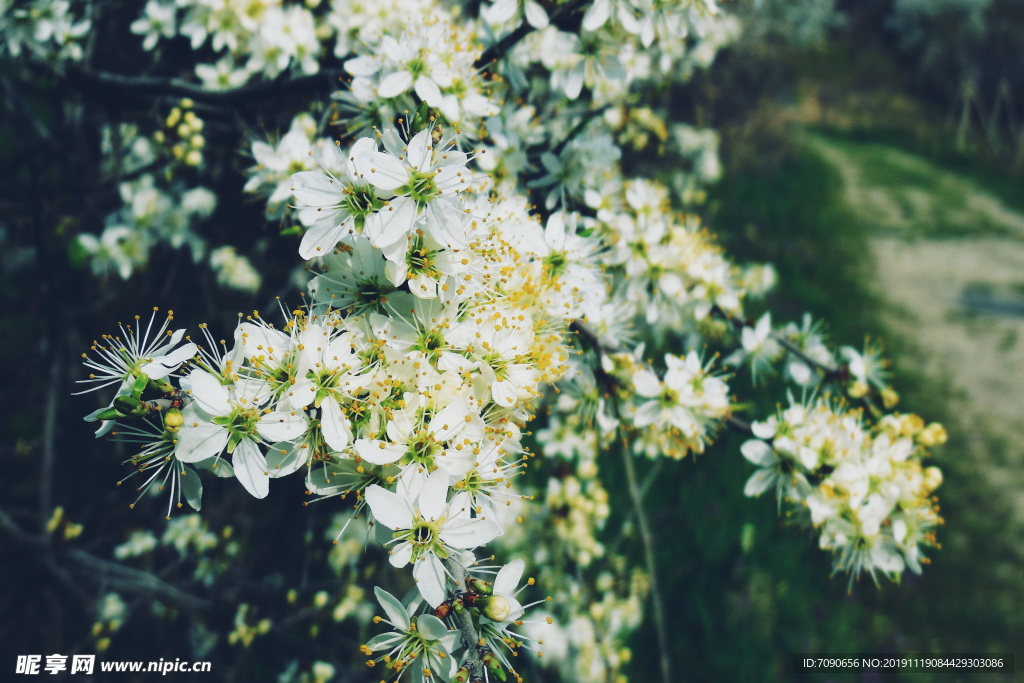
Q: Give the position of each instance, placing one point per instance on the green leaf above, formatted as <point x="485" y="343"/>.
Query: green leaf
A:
<point x="191" y="486"/>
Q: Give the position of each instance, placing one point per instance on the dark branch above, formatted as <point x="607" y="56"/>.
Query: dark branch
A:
<point x="253" y="92"/>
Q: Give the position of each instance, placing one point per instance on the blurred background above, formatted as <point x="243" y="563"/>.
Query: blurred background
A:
<point x="872" y="150"/>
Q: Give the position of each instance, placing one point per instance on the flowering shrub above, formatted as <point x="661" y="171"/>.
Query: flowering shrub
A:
<point x="476" y="265"/>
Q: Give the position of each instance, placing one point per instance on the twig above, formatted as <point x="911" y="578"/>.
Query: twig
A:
<point x="495" y="52"/>
<point x="827" y="370"/>
<point x="253" y="92"/>
<point x="579" y="128"/>
<point x="470" y="638"/>
<point x="648" y="542"/>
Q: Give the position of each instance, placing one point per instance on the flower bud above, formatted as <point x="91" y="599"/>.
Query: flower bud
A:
<point x="889" y="397"/>
<point x="495" y="608"/>
<point x="933" y="435"/>
<point x="462" y="676"/>
<point x="932" y="478"/>
<point x="478" y="586"/>
<point x="173" y="420"/>
<point x="492" y="664"/>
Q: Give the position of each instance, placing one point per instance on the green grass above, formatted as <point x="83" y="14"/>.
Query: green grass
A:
<point x="736" y="615"/>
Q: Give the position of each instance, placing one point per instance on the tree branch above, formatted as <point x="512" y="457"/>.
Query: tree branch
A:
<point x="470" y="638"/>
<point x="156" y="86"/>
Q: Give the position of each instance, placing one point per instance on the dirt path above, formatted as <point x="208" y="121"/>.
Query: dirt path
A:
<point x="950" y="259"/>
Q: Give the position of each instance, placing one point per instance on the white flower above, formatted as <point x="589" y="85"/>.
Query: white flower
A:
<point x="335" y="207"/>
<point x="157" y="22"/>
<point x="422" y="642"/>
<point x="425" y="182"/>
<point x="217" y="420"/>
<point x="428" y="532"/>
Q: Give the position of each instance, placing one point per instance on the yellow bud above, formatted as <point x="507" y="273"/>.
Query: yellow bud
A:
<point x="889" y="397"/>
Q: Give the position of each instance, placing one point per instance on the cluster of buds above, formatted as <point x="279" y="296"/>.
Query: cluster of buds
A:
<point x="182" y="134"/>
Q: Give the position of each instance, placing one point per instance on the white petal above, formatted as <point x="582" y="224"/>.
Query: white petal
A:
<point x="647" y="414"/>
<point x="251" y="468"/>
<point x="285" y="458"/>
<point x="469" y="533"/>
<point x="536" y="15"/>
<point x="428" y="91"/>
<point x="362" y="66"/>
<point x="395" y="611"/>
<point x="433" y="498"/>
<point x="316" y="188"/>
<point x="200" y="443"/>
<point x="211" y="395"/>
<point x="507" y="580"/>
<point x="281" y="425"/>
<point x="758" y="452"/>
<point x="390" y="509"/>
<point x="504" y="393"/>
<point x="430" y="579"/>
<point x="400" y="555"/>
<point x="759" y="482"/>
<point x="597" y="15"/>
<point x="450" y="420"/>
<point x="646" y="383"/>
<point x="763" y="430"/>
<point x="371" y="451"/>
<point x="334" y="425"/>
<point x="418" y="151"/>
<point x="395" y="84"/>
<point x="385" y="171"/>
<point x="392" y="224"/>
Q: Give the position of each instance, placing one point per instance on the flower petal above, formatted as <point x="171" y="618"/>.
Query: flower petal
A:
<point x="211" y="395"/>
<point x="394" y="609"/>
<point x="507" y="580"/>
<point x="390" y="509"/>
<point x="433" y="498"/>
<point x="430" y="579"/>
<point x="251" y="468"/>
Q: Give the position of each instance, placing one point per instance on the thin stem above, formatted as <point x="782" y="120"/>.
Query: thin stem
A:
<point x="636" y="494"/>
<point x="470" y="637"/>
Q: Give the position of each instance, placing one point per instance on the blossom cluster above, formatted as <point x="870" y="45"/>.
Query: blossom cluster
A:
<point x="444" y="311"/>
<point x="159" y="208"/>
<point x="50" y="31"/>
<point x="864" y="488"/>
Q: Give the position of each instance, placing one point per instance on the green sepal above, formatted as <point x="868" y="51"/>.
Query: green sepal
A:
<point x="233" y="441"/>
<point x="422" y="115"/>
<point x="163" y="386"/>
<point x="127" y="405"/>
<point x="140" y="385"/>
<point x="110" y="414"/>
<point x="321" y="394"/>
<point x="292" y="230"/>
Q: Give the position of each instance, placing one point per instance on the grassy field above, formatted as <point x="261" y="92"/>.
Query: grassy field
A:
<point x="738" y="610"/>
